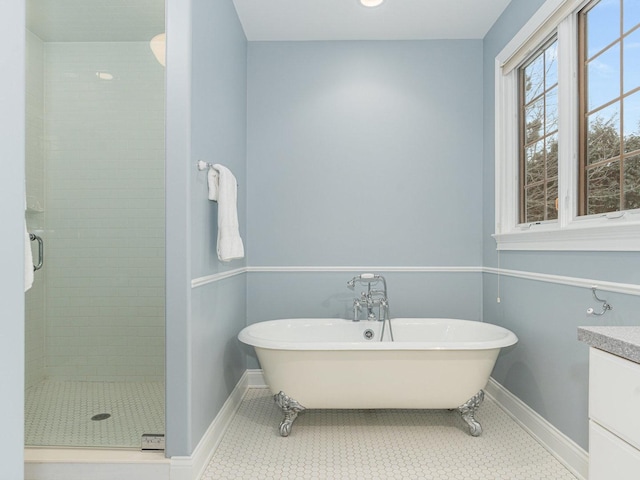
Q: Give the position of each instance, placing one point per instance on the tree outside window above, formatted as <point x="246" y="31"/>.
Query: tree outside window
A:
<point x="539" y="136"/>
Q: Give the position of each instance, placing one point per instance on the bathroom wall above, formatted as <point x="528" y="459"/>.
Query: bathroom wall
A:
<point x="364" y="154"/>
<point x="12" y="243"/>
<point x="206" y="120"/>
<point x="219" y="118"/>
<point x="104" y="236"/>
<point x="548" y="369"/>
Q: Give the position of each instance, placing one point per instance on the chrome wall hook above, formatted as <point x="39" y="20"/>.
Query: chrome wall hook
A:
<point x="605" y="305"/>
<point x="202" y="165"/>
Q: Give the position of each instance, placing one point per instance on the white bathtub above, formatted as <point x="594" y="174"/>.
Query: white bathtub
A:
<point x="328" y="363"/>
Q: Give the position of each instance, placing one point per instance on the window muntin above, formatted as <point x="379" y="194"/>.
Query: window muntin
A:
<point x="538" y="113"/>
<point x="609" y="43"/>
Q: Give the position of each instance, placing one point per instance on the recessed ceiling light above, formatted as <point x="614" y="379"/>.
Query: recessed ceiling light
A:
<point x="371" y="3"/>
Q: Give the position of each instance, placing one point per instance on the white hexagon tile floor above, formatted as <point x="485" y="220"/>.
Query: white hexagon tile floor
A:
<point x="58" y="413"/>
<point x="377" y="444"/>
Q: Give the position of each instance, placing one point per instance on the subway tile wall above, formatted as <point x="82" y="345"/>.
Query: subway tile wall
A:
<point x="104" y="126"/>
<point x="35" y="171"/>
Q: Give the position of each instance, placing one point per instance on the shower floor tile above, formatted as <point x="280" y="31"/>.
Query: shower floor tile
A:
<point x="58" y="413"/>
<point x="377" y="444"/>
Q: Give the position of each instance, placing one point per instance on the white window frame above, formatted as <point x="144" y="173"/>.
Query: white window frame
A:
<point x="616" y="231"/>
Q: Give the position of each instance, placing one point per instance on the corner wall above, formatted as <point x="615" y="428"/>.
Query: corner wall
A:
<point x="206" y="120"/>
<point x="548" y="368"/>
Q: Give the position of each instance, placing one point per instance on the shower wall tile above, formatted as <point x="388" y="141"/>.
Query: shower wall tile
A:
<point x="105" y="211"/>
<point x="34" y="147"/>
<point x="35" y="174"/>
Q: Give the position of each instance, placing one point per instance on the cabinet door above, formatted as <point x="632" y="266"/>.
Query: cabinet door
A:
<point x="614" y="395"/>
<point x="610" y="458"/>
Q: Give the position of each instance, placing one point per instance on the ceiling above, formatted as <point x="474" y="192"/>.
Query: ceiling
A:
<point x="264" y="20"/>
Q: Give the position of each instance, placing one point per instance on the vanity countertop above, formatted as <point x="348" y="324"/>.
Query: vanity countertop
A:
<point x="621" y="341"/>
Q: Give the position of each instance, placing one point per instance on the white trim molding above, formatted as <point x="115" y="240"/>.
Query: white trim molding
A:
<point x="569" y="453"/>
<point x="201" y="281"/>
<point x="442" y="269"/>
<point x="616" y="287"/>
<point x="192" y="467"/>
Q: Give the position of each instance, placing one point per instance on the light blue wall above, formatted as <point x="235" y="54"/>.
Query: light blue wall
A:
<point x="218" y="129"/>
<point x="364" y="154"/>
<point x="12" y="154"/>
<point x="206" y="120"/>
<point x="548" y="369"/>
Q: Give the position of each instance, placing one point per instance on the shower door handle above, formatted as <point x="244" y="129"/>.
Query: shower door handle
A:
<point x="34" y="238"/>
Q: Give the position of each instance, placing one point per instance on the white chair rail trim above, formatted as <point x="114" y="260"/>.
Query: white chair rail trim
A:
<point x="616" y="287"/>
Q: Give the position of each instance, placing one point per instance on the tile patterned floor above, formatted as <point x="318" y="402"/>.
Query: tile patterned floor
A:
<point x="58" y="413"/>
<point x="377" y="444"/>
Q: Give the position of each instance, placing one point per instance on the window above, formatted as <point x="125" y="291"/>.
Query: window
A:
<point x="538" y="112"/>
<point x="609" y="107"/>
<point x="568" y="129"/>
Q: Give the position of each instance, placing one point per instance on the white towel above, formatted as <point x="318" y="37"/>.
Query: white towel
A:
<point x="28" y="260"/>
<point x="223" y="189"/>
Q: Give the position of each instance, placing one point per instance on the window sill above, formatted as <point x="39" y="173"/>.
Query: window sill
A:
<point x="576" y="237"/>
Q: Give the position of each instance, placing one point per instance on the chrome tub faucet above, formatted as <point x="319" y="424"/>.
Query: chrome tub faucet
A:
<point x="370" y="299"/>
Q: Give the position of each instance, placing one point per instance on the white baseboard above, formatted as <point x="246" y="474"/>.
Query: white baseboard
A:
<point x="256" y="378"/>
<point x="570" y="454"/>
<point x="193" y="466"/>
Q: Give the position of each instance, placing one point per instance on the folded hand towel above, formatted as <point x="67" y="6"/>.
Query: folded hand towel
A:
<point x="225" y="192"/>
<point x="28" y="260"/>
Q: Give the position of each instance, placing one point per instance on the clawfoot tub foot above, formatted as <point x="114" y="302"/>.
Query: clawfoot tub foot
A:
<point x="468" y="411"/>
<point x="290" y="408"/>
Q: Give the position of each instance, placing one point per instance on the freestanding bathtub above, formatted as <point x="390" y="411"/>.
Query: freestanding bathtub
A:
<point x="433" y="363"/>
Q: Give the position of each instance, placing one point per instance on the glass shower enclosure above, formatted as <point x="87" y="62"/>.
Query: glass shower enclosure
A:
<point x="95" y="196"/>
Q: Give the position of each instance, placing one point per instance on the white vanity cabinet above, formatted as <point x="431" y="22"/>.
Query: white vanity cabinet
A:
<point x="614" y="417"/>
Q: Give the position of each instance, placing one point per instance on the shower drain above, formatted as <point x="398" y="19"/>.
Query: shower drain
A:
<point x="100" y="416"/>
